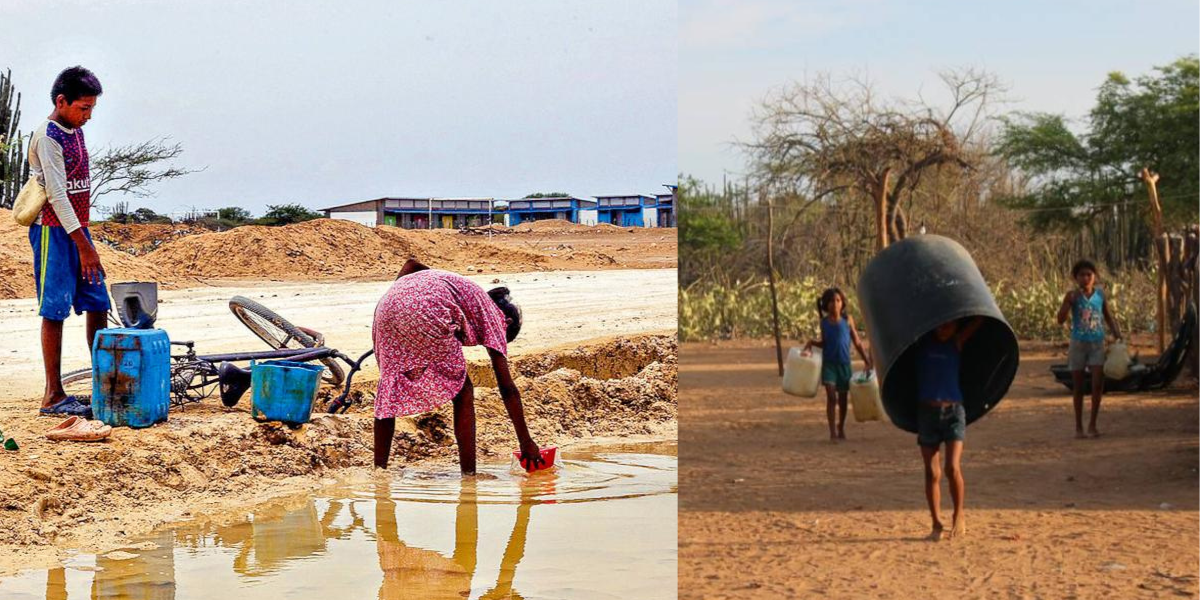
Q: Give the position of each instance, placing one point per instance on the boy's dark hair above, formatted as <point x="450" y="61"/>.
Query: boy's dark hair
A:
<point x="1081" y="265"/>
<point x="75" y="83"/>
<point x="511" y="311"/>
<point x="827" y="297"/>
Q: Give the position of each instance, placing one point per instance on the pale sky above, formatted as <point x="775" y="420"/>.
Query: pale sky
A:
<point x="324" y="103"/>
<point x="1053" y="55"/>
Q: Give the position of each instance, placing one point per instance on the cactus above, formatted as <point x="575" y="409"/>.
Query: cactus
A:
<point x="14" y="165"/>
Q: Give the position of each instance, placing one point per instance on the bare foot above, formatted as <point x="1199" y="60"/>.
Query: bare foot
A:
<point x="48" y="401"/>
<point x="936" y="534"/>
<point x="841" y="433"/>
<point x="959" y="530"/>
<point x="1079" y="434"/>
<point x="1092" y="432"/>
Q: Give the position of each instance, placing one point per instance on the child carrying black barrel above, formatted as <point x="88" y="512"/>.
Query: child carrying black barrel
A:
<point x="837" y="332"/>
<point x="1089" y="311"/>
<point x="941" y="418"/>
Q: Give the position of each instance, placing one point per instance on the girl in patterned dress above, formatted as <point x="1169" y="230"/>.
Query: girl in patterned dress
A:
<point x="421" y="325"/>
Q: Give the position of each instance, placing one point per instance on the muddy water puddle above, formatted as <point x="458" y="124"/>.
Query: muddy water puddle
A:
<point x="601" y="525"/>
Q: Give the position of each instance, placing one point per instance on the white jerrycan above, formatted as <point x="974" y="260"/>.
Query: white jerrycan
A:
<point x="802" y="374"/>
<point x="864" y="397"/>
<point x="1116" y="363"/>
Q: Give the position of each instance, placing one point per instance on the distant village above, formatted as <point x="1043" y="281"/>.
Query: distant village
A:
<point x="627" y="210"/>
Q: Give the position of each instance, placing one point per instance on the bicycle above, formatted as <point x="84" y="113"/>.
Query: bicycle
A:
<point x="195" y="377"/>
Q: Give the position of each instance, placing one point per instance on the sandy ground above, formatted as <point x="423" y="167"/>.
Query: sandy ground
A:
<point x="591" y="364"/>
<point x="630" y="248"/>
<point x="343" y="313"/>
<point x="770" y="508"/>
<point x="336" y="250"/>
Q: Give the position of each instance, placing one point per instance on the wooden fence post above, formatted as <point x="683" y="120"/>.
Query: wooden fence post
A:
<point x="1160" y="244"/>
<point x="771" y="282"/>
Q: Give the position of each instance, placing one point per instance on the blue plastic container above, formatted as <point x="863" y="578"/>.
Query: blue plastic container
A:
<point x="131" y="376"/>
<point x="283" y="390"/>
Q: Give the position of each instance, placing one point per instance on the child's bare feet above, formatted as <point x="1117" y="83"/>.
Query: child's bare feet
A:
<point x="936" y="534"/>
<point x="1092" y="432"/>
<point x="959" y="529"/>
<point x="841" y="433"/>
<point x="1079" y="434"/>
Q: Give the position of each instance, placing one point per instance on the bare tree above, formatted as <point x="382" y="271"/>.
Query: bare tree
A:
<point x="132" y="168"/>
<point x="830" y="140"/>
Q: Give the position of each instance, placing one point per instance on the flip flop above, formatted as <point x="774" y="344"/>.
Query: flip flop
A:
<point x="79" y="430"/>
<point x="56" y="408"/>
<point x="58" y="432"/>
<point x="78" y="408"/>
<point x="70" y="406"/>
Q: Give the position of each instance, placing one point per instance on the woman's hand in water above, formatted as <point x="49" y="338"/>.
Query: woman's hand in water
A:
<point x="531" y="455"/>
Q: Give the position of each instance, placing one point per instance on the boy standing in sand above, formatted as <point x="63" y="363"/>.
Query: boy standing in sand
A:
<point x="66" y="267"/>
<point x="1086" y="305"/>
<point x="941" y="419"/>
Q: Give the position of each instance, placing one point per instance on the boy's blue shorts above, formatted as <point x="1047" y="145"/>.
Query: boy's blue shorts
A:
<point x="56" y="271"/>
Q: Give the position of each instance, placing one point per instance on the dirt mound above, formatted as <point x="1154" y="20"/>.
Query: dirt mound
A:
<point x="609" y="227"/>
<point x="550" y="226"/>
<point x="608" y="359"/>
<point x="612" y="387"/>
<point x="140" y="239"/>
<point x="329" y="248"/>
<point x="558" y="226"/>
<point x="16" y="262"/>
<point x="206" y="457"/>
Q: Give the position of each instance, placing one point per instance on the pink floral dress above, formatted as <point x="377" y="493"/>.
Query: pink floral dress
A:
<point x="421" y="325"/>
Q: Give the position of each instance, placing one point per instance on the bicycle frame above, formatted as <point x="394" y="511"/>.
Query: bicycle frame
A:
<point x="205" y="366"/>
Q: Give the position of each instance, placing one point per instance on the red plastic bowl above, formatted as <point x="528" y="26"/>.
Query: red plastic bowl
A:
<point x="547" y="458"/>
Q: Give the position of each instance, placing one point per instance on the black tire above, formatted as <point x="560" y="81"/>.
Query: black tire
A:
<point x="279" y="333"/>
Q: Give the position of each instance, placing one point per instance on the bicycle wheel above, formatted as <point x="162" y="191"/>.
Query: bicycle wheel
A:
<point x="279" y="333"/>
<point x="78" y="383"/>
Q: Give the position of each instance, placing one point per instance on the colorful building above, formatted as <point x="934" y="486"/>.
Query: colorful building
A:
<point x="631" y="210"/>
<point x="666" y="206"/>
<point x="567" y="208"/>
<point x="420" y="213"/>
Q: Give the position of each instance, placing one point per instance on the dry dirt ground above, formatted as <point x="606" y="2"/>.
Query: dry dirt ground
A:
<point x="591" y="365"/>
<point x="179" y="256"/>
<point x="770" y="508"/>
<point x="560" y="307"/>
<point x="628" y="247"/>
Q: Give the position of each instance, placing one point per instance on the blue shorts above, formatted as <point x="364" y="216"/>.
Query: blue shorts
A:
<point x="940" y="424"/>
<point x="59" y="281"/>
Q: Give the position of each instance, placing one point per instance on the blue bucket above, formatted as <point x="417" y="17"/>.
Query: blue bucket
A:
<point x="283" y="390"/>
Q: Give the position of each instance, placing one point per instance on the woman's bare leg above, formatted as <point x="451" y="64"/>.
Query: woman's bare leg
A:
<point x="464" y="427"/>
<point x="384" y="430"/>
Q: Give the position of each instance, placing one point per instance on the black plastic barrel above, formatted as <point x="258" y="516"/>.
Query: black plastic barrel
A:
<point x="909" y="289"/>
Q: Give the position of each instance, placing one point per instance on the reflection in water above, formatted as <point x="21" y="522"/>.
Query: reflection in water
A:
<point x="309" y="547"/>
<point x="407" y="568"/>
